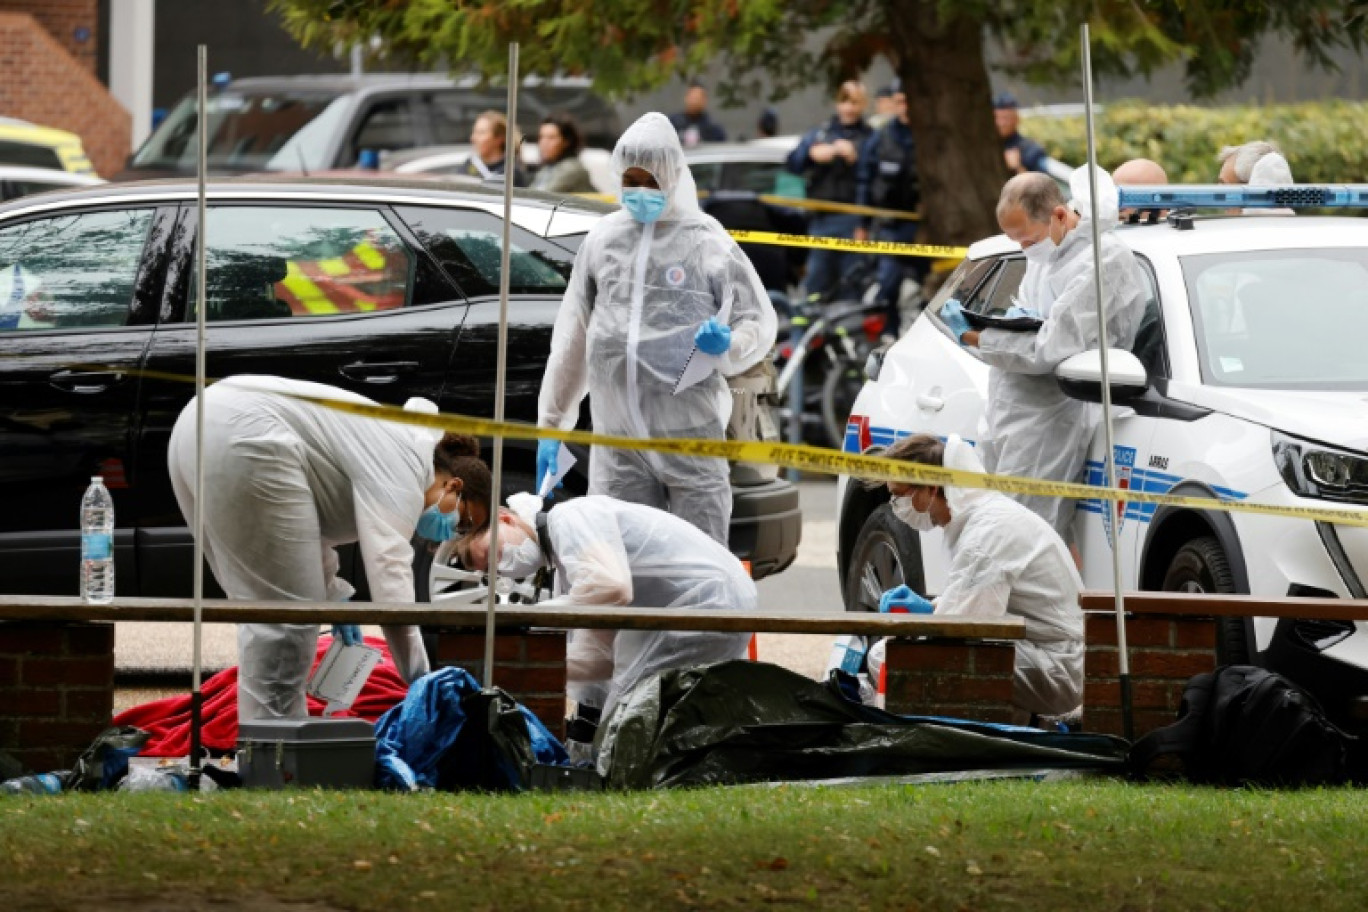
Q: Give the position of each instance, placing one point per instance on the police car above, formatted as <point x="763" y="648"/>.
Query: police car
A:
<point x="1249" y="381"/>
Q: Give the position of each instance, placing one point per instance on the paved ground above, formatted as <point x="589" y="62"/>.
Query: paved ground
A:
<point x="809" y="585"/>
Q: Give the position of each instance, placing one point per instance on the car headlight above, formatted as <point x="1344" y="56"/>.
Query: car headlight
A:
<point x="1315" y="470"/>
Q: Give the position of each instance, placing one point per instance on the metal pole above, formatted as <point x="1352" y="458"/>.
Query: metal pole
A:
<point x="196" y="695"/>
<point x="510" y="166"/>
<point x="1116" y="507"/>
<point x="795" y="390"/>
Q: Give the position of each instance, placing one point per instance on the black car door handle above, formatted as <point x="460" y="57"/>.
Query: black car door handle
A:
<point x="84" y="381"/>
<point x="378" y="371"/>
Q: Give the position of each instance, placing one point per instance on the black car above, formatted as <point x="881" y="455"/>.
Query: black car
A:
<point x="389" y="289"/>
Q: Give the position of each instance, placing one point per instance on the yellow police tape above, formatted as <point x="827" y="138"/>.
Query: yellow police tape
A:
<point x="797" y="202"/>
<point x="790" y="455"/>
<point x="849" y="245"/>
<point x="831" y="462"/>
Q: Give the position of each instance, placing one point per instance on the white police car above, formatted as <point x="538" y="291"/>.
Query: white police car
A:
<point x="1255" y="349"/>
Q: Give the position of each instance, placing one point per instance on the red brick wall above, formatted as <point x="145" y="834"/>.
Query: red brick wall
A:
<point x="56" y="690"/>
<point x="529" y="665"/>
<point x="61" y="19"/>
<point x="950" y="678"/>
<point x="1164" y="652"/>
<point x="42" y="82"/>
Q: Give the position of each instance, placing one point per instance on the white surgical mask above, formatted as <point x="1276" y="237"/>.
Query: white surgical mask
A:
<point x="918" y="520"/>
<point x="521" y="560"/>
<point x="1039" y="252"/>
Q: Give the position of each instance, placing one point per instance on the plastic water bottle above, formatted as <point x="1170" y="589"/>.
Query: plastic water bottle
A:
<point x="41" y="784"/>
<point x="97" y="544"/>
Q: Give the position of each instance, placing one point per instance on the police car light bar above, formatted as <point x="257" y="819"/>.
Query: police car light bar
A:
<point x="1233" y="196"/>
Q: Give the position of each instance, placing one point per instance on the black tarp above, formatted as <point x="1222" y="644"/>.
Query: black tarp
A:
<point x="739" y="722"/>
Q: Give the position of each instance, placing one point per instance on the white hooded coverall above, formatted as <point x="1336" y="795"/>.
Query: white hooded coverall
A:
<point x="637" y="295"/>
<point x="608" y="552"/>
<point x="1032" y="429"/>
<point x="1005" y="560"/>
<point x="286" y="481"/>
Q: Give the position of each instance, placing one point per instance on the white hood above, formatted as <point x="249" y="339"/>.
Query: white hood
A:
<point x="1339" y="419"/>
<point x="961" y="455"/>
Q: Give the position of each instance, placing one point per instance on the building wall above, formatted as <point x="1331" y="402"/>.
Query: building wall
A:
<point x="74" y="24"/>
<point x="41" y="81"/>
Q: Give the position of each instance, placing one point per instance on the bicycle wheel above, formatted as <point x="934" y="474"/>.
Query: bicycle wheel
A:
<point x="841" y="385"/>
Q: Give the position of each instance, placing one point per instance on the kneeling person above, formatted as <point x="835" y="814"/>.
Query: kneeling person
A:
<point x="1004" y="560"/>
<point x="609" y="552"/>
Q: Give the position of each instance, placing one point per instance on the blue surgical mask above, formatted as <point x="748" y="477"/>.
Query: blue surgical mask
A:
<point x="644" y="204"/>
<point x="434" y="525"/>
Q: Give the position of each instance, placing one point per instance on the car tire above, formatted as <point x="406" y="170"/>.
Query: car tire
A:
<point x="839" y="390"/>
<point x="1201" y="566"/>
<point x="886" y="554"/>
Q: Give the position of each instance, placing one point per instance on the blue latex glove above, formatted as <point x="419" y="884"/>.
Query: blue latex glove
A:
<point x="436" y="526"/>
<point x="349" y="634"/>
<point x="903" y="600"/>
<point x="953" y="315"/>
<point x="713" y="338"/>
<point x="548" y="452"/>
<point x="1016" y="310"/>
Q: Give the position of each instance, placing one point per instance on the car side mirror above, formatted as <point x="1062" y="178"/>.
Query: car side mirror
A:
<point x="1080" y="376"/>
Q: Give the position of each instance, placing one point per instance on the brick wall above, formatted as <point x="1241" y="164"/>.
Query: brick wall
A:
<point x="56" y="690"/>
<point x="42" y="82"/>
<point x="969" y="680"/>
<point x="529" y="665"/>
<point x="1164" y="651"/>
<point x="61" y="19"/>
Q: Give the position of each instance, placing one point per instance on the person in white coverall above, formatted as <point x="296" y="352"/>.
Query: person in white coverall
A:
<point x="1004" y="560"/>
<point x="1031" y="428"/>
<point x="608" y="552"/>
<point x="285" y="481"/>
<point x="650" y="282"/>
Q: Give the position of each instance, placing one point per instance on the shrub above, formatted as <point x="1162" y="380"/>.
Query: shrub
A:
<point x="1323" y="141"/>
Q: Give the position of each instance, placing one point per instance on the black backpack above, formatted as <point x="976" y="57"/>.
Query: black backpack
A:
<point x="1246" y="725"/>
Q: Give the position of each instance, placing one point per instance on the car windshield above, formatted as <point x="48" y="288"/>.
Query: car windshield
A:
<point x="1281" y="319"/>
<point x="249" y="132"/>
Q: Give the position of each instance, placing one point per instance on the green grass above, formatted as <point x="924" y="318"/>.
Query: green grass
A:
<point x="991" y="845"/>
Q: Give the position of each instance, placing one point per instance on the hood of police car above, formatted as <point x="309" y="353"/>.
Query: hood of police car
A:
<point x="1337" y="418"/>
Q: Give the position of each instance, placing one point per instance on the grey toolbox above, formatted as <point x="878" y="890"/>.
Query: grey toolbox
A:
<point x="331" y="753"/>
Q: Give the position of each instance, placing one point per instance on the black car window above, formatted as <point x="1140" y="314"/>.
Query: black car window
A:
<point x="269" y="262"/>
<point x="466" y="242"/>
<point x="996" y="295"/>
<point x="30" y="155"/>
<point x="707" y="175"/>
<point x="71" y="270"/>
<point x="387" y="125"/>
<point x="454" y="115"/>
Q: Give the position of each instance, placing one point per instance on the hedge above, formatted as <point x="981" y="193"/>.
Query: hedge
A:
<point x="1325" y="142"/>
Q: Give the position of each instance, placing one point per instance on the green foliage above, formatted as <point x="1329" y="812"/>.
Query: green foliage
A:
<point x="631" y="45"/>
<point x="1323" y="141"/>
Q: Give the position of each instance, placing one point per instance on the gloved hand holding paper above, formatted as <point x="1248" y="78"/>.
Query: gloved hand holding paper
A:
<point x="700" y="365"/>
<point x="565" y="461"/>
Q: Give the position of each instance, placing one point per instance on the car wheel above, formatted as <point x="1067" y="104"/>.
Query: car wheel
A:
<point x="839" y="390"/>
<point x="1201" y="566"/>
<point x="886" y="554"/>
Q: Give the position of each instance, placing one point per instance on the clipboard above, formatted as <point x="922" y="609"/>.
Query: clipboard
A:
<point x="1010" y="324"/>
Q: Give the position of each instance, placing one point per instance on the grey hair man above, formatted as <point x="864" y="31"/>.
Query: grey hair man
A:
<point x="1031" y="428"/>
<point x="1237" y="162"/>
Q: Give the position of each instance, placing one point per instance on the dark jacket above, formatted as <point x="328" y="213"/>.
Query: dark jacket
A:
<point x="708" y="129"/>
<point x="834" y="181"/>
<point x="886" y="176"/>
<point x="1032" y="153"/>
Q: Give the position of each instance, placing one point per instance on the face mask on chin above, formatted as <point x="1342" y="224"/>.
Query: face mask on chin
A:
<point x="521" y="560"/>
<point x="917" y="519"/>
